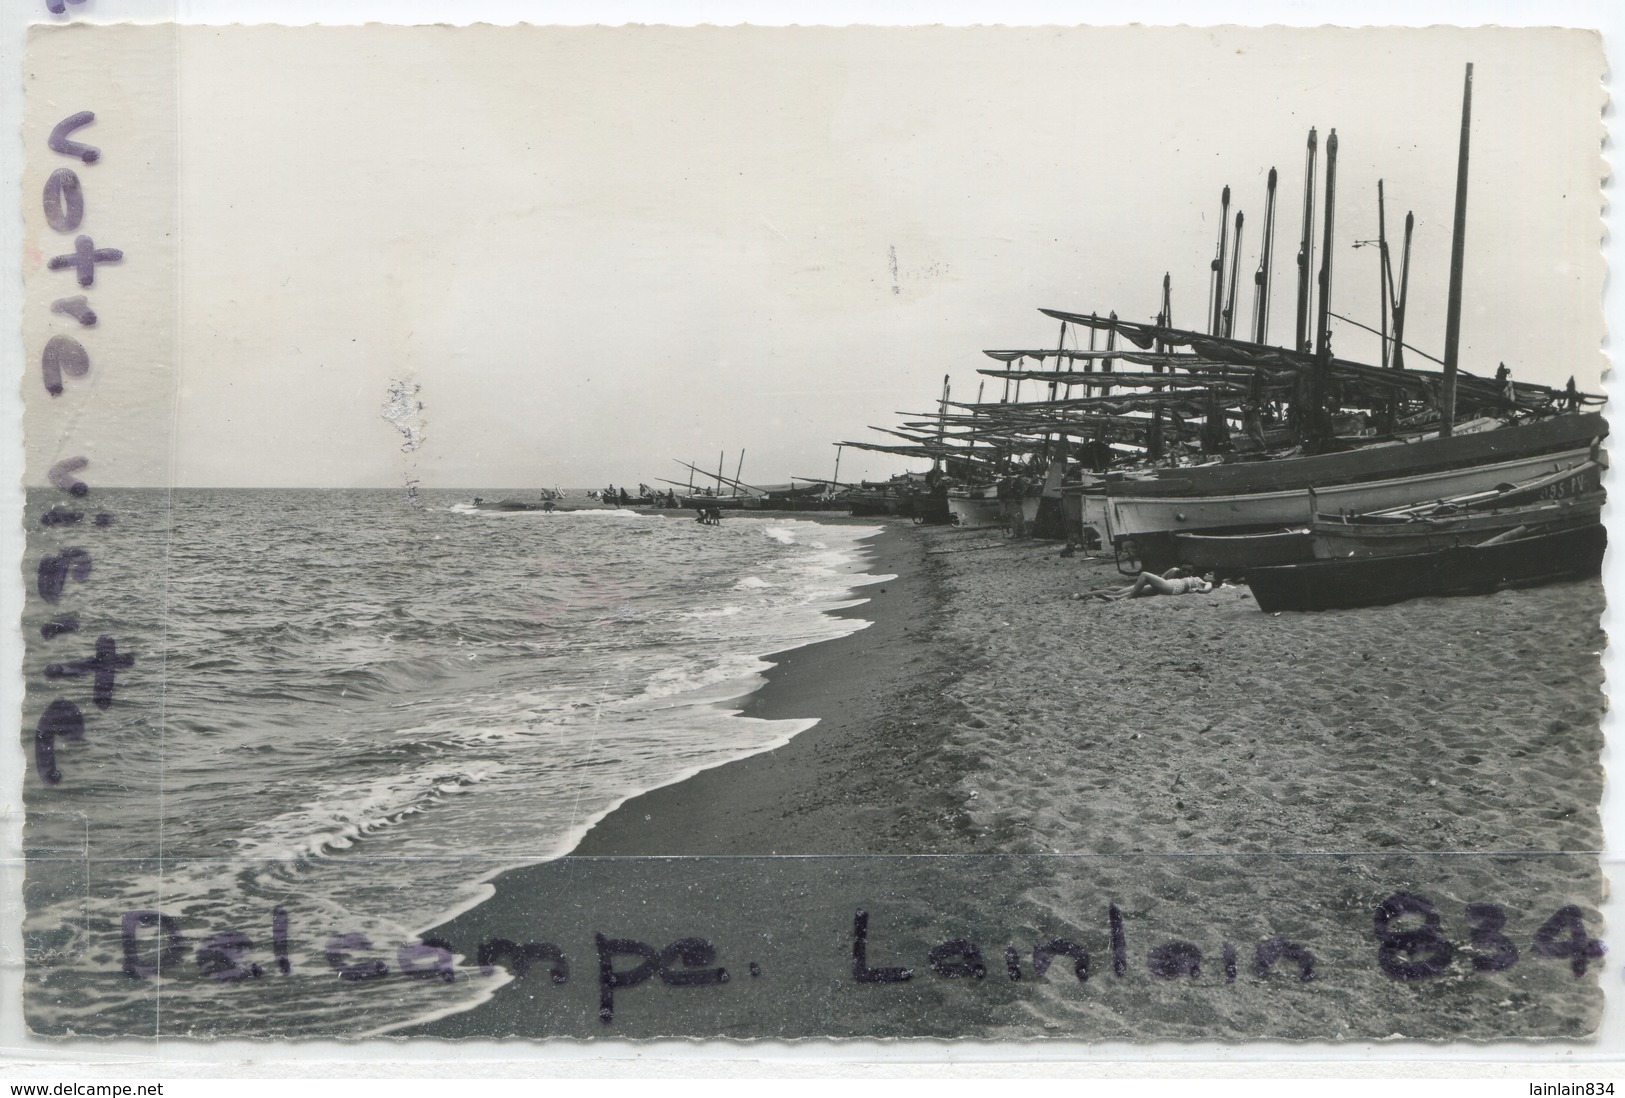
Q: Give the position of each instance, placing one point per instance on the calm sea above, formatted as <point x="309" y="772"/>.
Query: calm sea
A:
<point x="357" y="709"/>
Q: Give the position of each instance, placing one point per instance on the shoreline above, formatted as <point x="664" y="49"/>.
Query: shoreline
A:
<point x="800" y="797"/>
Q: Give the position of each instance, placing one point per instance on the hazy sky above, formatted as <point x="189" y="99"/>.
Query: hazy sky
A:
<point x="596" y="250"/>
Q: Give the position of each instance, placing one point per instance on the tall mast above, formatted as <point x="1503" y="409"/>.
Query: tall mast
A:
<point x="1458" y="242"/>
<point x="740" y="471"/>
<point x="1060" y="346"/>
<point x="1235" y="280"/>
<point x="1385" y="284"/>
<point x="1323" y="335"/>
<point x="1216" y="326"/>
<point x="836" y="479"/>
<point x="1165" y="318"/>
<point x="1306" y="247"/>
<point x="942" y="423"/>
<point x="1261" y="280"/>
<point x="980" y="385"/>
<point x="1398" y="362"/>
<point x="720" y="455"/>
<point x="1111" y="345"/>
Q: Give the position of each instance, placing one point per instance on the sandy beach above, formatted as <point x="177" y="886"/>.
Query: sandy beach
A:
<point x="1198" y="808"/>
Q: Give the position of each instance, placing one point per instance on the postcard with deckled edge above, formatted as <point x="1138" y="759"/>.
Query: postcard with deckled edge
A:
<point x="1052" y="534"/>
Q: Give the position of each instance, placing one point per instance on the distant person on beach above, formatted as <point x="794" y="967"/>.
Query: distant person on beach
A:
<point x="1172" y="582"/>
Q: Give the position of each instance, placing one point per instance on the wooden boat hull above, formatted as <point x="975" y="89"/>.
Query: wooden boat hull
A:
<point x="1551" y="435"/>
<point x="1083" y="508"/>
<point x="927" y="509"/>
<point x="721" y="503"/>
<point x="975" y="507"/>
<point x="1541" y="557"/>
<point x="1234" y="554"/>
<point x="510" y="505"/>
<point x="1143" y="518"/>
<point x="1335" y="540"/>
<point x="871" y="503"/>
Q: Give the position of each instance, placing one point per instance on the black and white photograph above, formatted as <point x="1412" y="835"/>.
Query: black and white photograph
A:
<point x="1053" y="534"/>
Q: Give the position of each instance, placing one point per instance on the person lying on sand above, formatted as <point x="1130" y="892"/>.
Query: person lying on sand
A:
<point x="1175" y="581"/>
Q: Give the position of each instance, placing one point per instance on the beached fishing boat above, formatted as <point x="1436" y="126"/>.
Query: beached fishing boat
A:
<point x="799" y="495"/>
<point x="1363" y="537"/>
<point x="1373" y="462"/>
<point x="907" y="495"/>
<point x="974" y="506"/>
<point x="1144" y="527"/>
<point x="1581" y="480"/>
<point x="721" y="503"/>
<point x="1564" y="497"/>
<point x="1522" y="557"/>
<point x="871" y="500"/>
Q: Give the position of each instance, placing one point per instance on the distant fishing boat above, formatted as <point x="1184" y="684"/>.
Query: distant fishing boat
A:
<point x="549" y="499"/>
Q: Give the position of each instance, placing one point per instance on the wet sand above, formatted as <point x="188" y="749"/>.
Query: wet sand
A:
<point x="1244" y="790"/>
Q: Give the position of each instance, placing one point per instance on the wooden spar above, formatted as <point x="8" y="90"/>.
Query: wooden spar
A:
<point x="1217" y="325"/>
<point x="1384" y="282"/>
<point x="1366" y="327"/>
<point x="836" y="478"/>
<point x="1235" y="280"/>
<point x="1398" y="362"/>
<point x="1323" y="336"/>
<point x="720" y="455"/>
<point x="1306" y="246"/>
<point x="1261" y="280"/>
<point x="690" y="478"/>
<point x="1458" y="242"/>
<point x="740" y="471"/>
<point x="721" y="481"/>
